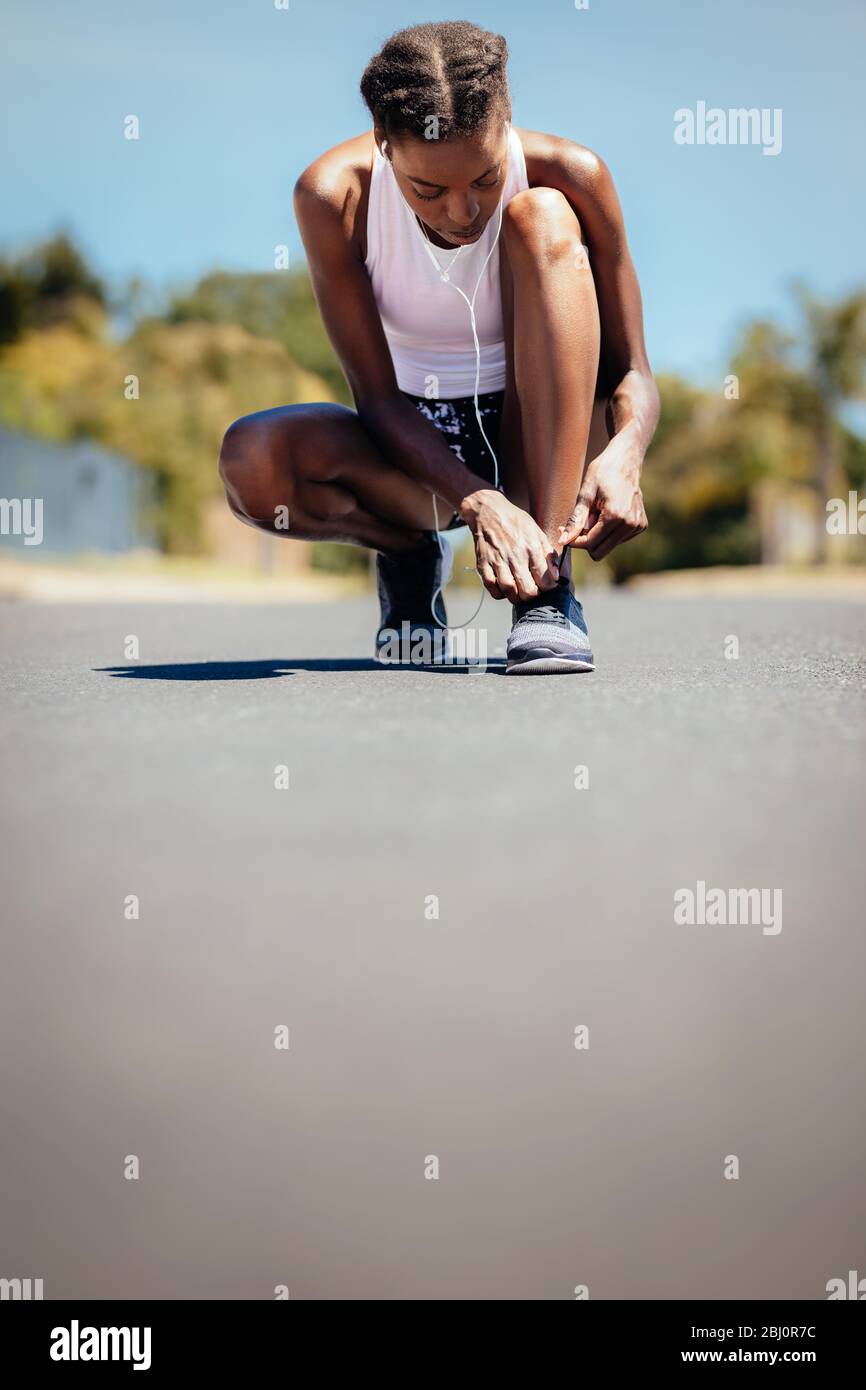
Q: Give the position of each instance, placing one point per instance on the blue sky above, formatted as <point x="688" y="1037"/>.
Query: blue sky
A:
<point x="235" y="97"/>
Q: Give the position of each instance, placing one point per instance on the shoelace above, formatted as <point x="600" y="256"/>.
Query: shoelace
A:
<point x="555" y="611"/>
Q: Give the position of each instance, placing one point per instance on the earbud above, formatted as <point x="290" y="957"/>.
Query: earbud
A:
<point x="385" y="148"/>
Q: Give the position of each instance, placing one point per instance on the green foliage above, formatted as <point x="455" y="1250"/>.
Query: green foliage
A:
<point x="854" y="461"/>
<point x="279" y="305"/>
<point x="49" y="285"/>
<point x="192" y="379"/>
<point x="695" y="485"/>
<point x="340" y="559"/>
<point x="710" y="452"/>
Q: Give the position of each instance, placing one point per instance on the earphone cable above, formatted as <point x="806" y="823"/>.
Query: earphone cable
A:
<point x="445" y="277"/>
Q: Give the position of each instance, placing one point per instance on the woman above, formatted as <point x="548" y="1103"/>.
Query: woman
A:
<point x="440" y="224"/>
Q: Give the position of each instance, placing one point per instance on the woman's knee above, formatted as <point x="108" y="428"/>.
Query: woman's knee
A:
<point x="246" y="463"/>
<point x="540" y="225"/>
<point x="266" y="456"/>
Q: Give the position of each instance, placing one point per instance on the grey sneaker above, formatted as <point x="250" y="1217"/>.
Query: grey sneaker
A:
<point x="408" y="583"/>
<point x="549" y="634"/>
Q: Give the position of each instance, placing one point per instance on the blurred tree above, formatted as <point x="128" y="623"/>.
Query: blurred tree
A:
<point x="50" y="284"/>
<point x="278" y="305"/>
<point x="191" y="381"/>
<point x="696" y="485"/>
<point x="710" y="452"/>
<point x="835" y="347"/>
<point x="14" y="302"/>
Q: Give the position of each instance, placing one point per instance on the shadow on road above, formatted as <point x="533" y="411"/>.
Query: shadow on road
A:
<point x="268" y="670"/>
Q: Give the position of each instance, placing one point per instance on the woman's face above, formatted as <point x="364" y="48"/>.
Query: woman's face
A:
<point x="453" y="185"/>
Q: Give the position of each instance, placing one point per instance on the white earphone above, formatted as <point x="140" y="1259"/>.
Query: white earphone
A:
<point x="445" y="277"/>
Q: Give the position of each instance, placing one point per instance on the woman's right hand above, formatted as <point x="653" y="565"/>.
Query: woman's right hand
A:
<point x="516" y="560"/>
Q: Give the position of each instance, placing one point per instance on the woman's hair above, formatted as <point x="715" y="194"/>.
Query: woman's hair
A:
<point x="436" y="81"/>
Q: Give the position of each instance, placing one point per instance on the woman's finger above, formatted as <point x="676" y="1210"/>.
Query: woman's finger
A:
<point x="505" y="581"/>
<point x="488" y="578"/>
<point x="543" y="566"/>
<point x="525" y="581"/>
<point x="618" y="536"/>
<point x="597" y="533"/>
<point x="577" y="521"/>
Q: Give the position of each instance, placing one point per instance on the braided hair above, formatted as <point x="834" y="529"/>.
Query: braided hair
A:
<point x="435" y="81"/>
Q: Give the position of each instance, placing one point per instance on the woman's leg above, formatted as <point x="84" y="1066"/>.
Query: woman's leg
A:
<point x="553" y="420"/>
<point x="312" y="472"/>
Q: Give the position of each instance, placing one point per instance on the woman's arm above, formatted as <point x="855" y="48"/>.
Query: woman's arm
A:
<point x="609" y="508"/>
<point x="515" y="558"/>
<point x="325" y="209"/>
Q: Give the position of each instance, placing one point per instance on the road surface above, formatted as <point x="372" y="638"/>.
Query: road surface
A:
<point x="476" y="960"/>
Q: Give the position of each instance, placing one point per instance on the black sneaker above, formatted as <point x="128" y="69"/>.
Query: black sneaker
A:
<point x="408" y="584"/>
<point x="549" y="634"/>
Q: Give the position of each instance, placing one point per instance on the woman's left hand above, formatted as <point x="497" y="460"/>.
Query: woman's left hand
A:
<point x="609" y="508"/>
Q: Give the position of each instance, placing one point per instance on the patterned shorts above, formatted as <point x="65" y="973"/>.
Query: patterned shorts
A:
<point x="457" y="423"/>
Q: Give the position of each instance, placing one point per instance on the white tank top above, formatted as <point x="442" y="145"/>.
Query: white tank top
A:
<point x="426" y="321"/>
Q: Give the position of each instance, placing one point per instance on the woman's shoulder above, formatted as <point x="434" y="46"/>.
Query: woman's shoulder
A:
<point x="336" y="186"/>
<point x="549" y="156"/>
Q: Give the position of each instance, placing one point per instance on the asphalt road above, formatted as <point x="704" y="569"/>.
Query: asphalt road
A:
<point x="412" y="1036"/>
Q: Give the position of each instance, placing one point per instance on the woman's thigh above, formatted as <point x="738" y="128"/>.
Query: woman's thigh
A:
<point x="310" y="458"/>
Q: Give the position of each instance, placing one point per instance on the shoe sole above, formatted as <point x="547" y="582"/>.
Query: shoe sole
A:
<point x="549" y="666"/>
